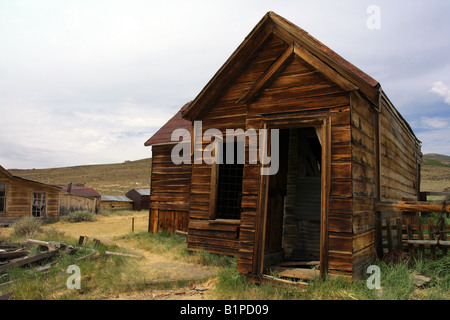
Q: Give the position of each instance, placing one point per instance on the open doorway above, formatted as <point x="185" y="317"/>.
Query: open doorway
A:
<point x="293" y="214"/>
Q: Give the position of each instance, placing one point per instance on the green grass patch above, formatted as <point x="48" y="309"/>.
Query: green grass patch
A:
<point x="26" y="227"/>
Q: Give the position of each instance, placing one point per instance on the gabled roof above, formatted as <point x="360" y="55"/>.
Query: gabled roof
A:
<point x="272" y="23"/>
<point x="116" y="198"/>
<point x="7" y="174"/>
<point x="164" y="134"/>
<point x="81" y="191"/>
<point x="142" y="191"/>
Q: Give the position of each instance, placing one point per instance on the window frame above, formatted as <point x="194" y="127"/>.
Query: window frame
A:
<point x="215" y="178"/>
<point x="3" y="210"/>
<point x="42" y="212"/>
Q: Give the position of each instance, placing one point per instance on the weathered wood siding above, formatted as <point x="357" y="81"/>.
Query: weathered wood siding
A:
<point x="19" y="198"/>
<point x="371" y="155"/>
<point x="307" y="90"/>
<point x="364" y="166"/>
<point x="73" y="202"/>
<point x="298" y="88"/>
<point x="116" y="205"/>
<point x="399" y="156"/>
<point x="169" y="199"/>
<point x="221" y="237"/>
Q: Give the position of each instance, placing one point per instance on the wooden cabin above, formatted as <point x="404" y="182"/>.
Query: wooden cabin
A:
<point x="21" y="197"/>
<point x="342" y="147"/>
<point x="140" y="197"/>
<point x="115" y="203"/>
<point x="78" y="198"/>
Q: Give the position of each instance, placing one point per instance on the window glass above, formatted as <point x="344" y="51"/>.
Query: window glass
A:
<point x="2" y="197"/>
<point x="38" y="209"/>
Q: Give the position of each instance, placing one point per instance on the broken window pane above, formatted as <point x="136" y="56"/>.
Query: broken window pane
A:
<point x="38" y="205"/>
<point x="2" y="197"/>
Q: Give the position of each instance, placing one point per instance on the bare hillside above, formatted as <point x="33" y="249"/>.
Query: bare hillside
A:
<point x="109" y="179"/>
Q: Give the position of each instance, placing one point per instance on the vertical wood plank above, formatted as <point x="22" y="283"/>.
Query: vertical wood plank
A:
<point x="399" y="234"/>
<point x="389" y="234"/>
<point x="443" y="235"/>
<point x="420" y="235"/>
<point x="409" y="232"/>
<point x="431" y="237"/>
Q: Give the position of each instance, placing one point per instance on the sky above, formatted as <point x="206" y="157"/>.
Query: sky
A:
<point x="89" y="81"/>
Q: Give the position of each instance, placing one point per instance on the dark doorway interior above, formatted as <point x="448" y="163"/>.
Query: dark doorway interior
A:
<point x="292" y="237"/>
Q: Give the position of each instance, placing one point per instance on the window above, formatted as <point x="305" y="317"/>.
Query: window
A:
<point x="229" y="188"/>
<point x="38" y="209"/>
<point x="2" y="197"/>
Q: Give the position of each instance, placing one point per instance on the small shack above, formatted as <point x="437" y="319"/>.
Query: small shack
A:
<point x="169" y="182"/>
<point x="343" y="147"/>
<point x="21" y="197"/>
<point x="140" y="197"/>
<point x="116" y="203"/>
<point x="78" y="198"/>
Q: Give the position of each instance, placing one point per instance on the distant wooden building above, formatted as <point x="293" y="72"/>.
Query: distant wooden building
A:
<point x="21" y="197"/>
<point x="342" y="147"/>
<point x="78" y="198"/>
<point x="116" y="203"/>
<point x="140" y="197"/>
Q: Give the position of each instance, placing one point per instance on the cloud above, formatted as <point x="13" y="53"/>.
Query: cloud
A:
<point x="433" y="123"/>
<point x="90" y="82"/>
<point x="442" y="90"/>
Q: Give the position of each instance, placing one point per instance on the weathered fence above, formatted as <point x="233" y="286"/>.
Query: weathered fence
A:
<point x="412" y="235"/>
<point x="417" y="227"/>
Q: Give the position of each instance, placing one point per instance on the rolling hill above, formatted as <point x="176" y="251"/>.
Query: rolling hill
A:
<point x="108" y="179"/>
<point x="118" y="178"/>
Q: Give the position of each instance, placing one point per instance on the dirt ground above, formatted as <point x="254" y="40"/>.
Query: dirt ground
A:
<point x="110" y="229"/>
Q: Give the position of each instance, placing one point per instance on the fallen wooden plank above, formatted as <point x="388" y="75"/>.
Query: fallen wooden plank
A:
<point x="298" y="263"/>
<point x="413" y="206"/>
<point x="109" y="253"/>
<point x="430" y="242"/>
<point x="5" y="245"/>
<point x="88" y="256"/>
<point x="13" y="254"/>
<point x="296" y="273"/>
<point x="52" y="245"/>
<point x="24" y="261"/>
<point x="159" y="281"/>
<point x="266" y="279"/>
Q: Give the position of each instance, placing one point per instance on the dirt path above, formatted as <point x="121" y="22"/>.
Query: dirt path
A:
<point x="111" y="229"/>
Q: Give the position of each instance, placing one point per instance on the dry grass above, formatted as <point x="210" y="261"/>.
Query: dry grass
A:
<point x="107" y="227"/>
<point x="435" y="178"/>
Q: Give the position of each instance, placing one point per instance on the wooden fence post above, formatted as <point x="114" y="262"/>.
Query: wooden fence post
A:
<point x="431" y="236"/>
<point x="420" y="234"/>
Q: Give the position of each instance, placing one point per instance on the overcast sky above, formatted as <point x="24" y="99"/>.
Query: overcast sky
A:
<point x="89" y="81"/>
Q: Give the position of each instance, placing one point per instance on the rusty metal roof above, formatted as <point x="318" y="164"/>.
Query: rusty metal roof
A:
<point x="81" y="191"/>
<point x="163" y="135"/>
